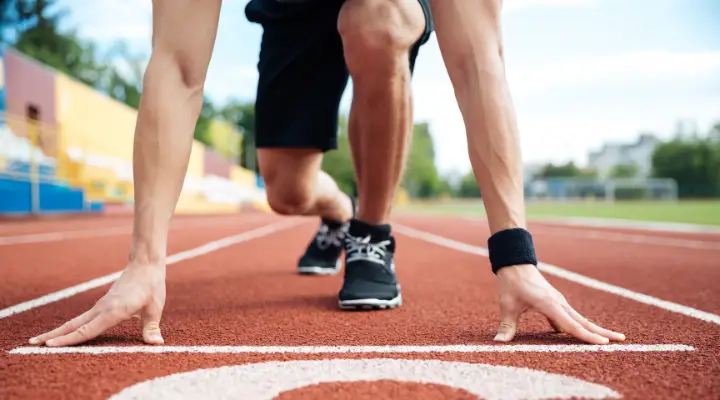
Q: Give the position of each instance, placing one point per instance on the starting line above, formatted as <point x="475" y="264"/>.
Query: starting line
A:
<point x="520" y="348"/>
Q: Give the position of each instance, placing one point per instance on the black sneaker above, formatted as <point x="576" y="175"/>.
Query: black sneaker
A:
<point x="370" y="281"/>
<point x="322" y="256"/>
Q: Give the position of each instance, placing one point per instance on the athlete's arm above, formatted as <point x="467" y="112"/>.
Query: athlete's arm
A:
<point x="469" y="36"/>
<point x="183" y="39"/>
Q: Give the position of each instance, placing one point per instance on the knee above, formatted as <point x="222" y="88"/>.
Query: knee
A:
<point x="288" y="197"/>
<point x="379" y="32"/>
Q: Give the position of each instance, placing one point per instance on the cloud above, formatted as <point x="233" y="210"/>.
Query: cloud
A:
<point x="110" y="20"/>
<point x="226" y="81"/>
<point x="521" y="5"/>
<point x="565" y="108"/>
<point x="643" y="66"/>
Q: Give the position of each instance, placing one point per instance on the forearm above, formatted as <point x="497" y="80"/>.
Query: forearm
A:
<point x="493" y="146"/>
<point x="184" y="34"/>
<point x="163" y="140"/>
<point x="469" y="36"/>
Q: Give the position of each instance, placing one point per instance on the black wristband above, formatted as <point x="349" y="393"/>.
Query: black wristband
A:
<point x="511" y="247"/>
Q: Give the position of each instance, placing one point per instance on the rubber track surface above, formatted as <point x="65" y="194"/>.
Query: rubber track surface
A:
<point x="248" y="294"/>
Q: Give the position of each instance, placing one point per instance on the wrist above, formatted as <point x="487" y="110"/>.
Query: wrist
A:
<point x="511" y="247"/>
<point x="148" y="250"/>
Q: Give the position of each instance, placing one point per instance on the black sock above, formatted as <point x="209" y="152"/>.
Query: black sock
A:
<point x="377" y="232"/>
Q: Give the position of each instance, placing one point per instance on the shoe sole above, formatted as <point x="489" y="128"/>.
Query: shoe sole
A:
<point x="315" y="270"/>
<point x="370" y="304"/>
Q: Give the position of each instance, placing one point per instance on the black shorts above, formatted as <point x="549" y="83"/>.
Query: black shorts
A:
<point x="302" y="71"/>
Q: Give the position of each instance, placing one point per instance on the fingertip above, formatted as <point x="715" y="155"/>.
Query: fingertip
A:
<point x="51" y="343"/>
<point x="154" y="338"/>
<point x="503" y="337"/>
<point x="34" y="341"/>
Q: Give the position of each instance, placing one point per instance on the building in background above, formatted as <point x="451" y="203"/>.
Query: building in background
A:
<point x="65" y="147"/>
<point x="612" y="155"/>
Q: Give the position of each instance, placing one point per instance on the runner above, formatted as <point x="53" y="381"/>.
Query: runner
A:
<point x="469" y="36"/>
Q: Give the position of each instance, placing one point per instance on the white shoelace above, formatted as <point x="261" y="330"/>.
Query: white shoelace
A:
<point x="361" y="249"/>
<point x="327" y="237"/>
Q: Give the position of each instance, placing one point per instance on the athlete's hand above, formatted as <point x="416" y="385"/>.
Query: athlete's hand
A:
<point x="139" y="292"/>
<point x="522" y="288"/>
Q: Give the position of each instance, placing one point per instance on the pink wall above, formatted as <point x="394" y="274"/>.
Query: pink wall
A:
<point x="29" y="83"/>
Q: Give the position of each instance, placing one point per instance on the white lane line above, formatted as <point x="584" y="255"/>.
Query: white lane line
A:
<point x="567" y="275"/>
<point x="100" y="232"/>
<point x="635" y="238"/>
<point x="62" y="235"/>
<point x="461" y="348"/>
<point x="630" y="238"/>
<point x="632" y="224"/>
<point x="175" y="258"/>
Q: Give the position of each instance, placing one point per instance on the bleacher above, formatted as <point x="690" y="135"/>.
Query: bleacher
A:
<point x="29" y="184"/>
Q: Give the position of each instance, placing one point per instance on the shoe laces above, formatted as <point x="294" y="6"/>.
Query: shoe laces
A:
<point x="362" y="248"/>
<point x="327" y="236"/>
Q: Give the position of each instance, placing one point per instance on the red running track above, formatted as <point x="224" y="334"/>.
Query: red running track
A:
<point x="239" y="304"/>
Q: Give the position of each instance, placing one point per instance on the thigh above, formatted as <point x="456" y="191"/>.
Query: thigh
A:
<point x="302" y="75"/>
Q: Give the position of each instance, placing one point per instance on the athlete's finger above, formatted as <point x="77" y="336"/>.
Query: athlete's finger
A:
<point x="567" y="324"/>
<point x="553" y="325"/>
<point x="509" y="317"/>
<point x="88" y="331"/>
<point x="612" y="335"/>
<point x="151" y="324"/>
<point x="65" y="328"/>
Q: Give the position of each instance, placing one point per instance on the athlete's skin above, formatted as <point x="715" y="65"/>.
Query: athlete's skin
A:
<point x="184" y="31"/>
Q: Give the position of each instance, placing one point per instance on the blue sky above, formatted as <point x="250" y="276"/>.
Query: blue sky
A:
<point x="582" y="72"/>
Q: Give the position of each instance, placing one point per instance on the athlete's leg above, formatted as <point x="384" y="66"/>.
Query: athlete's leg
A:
<point x="381" y="40"/>
<point x="302" y="77"/>
<point x="295" y="185"/>
<point x="378" y="38"/>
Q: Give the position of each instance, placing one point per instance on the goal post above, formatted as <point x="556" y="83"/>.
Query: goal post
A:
<point x="610" y="190"/>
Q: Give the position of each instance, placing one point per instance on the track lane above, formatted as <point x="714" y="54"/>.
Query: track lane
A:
<point x="684" y="276"/>
<point x="249" y="295"/>
<point x="56" y="265"/>
<point x="90" y="222"/>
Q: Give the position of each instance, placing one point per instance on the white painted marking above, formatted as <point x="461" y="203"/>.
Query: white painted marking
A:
<point x="629" y="238"/>
<point x="175" y="258"/>
<point x="58" y="236"/>
<point x="267" y="380"/>
<point x="631" y="224"/>
<point x="547" y="228"/>
<point x="567" y="275"/>
<point x="62" y="235"/>
<point x="461" y="348"/>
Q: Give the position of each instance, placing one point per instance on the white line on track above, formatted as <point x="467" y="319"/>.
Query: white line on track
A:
<point x="567" y="275"/>
<point x="512" y="348"/>
<point x="552" y="229"/>
<point x="175" y="258"/>
<point x="629" y="238"/>
<point x="631" y="224"/>
<point x="57" y="236"/>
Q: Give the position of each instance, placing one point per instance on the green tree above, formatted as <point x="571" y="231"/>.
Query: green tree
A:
<point x="38" y="36"/>
<point x="468" y="186"/>
<point x="421" y="178"/>
<point x="242" y="115"/>
<point x="202" y="127"/>
<point x="693" y="163"/>
<point x="624" y="171"/>
<point x="339" y="163"/>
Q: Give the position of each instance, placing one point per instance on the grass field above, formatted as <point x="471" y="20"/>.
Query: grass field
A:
<point x="691" y="212"/>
